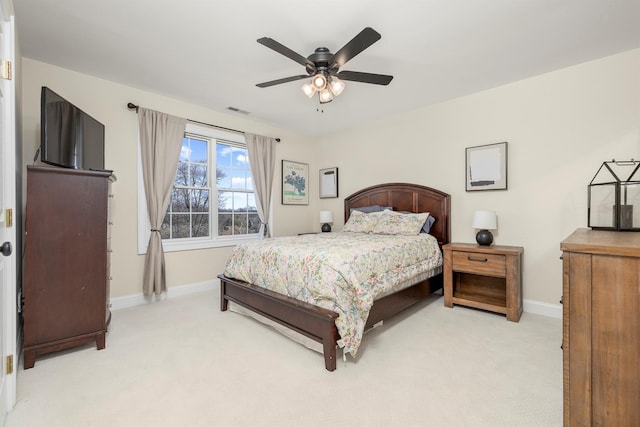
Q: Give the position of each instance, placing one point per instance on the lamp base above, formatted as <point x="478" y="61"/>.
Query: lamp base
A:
<point x="484" y="238"/>
<point x="326" y="228"/>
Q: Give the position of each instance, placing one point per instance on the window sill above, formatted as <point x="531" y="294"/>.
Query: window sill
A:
<point x="191" y="245"/>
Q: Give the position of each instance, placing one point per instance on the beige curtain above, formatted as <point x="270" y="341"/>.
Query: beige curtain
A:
<point x="160" y="143"/>
<point x="262" y="160"/>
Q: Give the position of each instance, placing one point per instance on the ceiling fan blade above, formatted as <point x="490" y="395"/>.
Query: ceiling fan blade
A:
<point x="283" y="50"/>
<point x="363" y="40"/>
<point x="356" y="76"/>
<point x="284" y="80"/>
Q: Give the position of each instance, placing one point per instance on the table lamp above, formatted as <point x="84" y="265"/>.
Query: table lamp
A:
<point x="485" y="221"/>
<point x="325" y="219"/>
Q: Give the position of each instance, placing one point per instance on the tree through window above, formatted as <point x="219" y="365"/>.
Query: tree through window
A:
<point x="190" y="214"/>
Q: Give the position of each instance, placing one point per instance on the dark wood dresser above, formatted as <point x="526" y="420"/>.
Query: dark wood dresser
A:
<point x="601" y="328"/>
<point x="66" y="262"/>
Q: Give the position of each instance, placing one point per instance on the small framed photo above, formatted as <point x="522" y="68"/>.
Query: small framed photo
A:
<point x="486" y="167"/>
<point x="328" y="183"/>
<point x="295" y="183"/>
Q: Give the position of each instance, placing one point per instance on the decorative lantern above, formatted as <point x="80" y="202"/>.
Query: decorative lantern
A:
<point x="613" y="193"/>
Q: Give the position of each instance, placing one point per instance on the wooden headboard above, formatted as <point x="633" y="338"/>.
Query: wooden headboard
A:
<point x="407" y="197"/>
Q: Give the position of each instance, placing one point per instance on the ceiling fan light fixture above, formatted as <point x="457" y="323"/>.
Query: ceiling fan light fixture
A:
<point x="325" y="96"/>
<point x="336" y="86"/>
<point x="308" y="89"/>
<point x="319" y="82"/>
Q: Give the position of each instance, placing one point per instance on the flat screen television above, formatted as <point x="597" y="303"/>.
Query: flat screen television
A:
<point x="69" y="137"/>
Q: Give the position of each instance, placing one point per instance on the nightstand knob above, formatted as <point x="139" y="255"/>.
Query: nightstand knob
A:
<point x="470" y="258"/>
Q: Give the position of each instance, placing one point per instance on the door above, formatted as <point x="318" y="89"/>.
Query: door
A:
<point x="7" y="212"/>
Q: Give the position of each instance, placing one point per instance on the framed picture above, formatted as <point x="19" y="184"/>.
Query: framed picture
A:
<point x="328" y="183"/>
<point x="486" y="167"/>
<point x="295" y="183"/>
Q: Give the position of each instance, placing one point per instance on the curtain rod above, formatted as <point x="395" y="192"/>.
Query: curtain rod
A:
<point x="132" y="106"/>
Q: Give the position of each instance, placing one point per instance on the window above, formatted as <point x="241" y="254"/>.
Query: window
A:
<point x="188" y="212"/>
<point x="237" y="212"/>
<point x="192" y="220"/>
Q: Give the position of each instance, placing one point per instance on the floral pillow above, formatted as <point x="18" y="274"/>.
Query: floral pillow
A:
<point x="360" y="222"/>
<point x="406" y="224"/>
<point x="426" y="227"/>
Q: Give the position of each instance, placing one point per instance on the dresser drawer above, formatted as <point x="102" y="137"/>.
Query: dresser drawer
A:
<point x="479" y="263"/>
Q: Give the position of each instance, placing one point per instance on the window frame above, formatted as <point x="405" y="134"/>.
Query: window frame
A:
<point x="185" y="244"/>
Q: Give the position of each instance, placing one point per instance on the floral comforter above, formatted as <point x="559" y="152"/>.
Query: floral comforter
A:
<point x="340" y="271"/>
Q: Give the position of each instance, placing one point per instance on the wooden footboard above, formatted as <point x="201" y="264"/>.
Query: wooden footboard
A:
<point x="316" y="322"/>
<point x="311" y="321"/>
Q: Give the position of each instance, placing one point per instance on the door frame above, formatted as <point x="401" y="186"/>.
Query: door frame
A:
<point x="8" y="230"/>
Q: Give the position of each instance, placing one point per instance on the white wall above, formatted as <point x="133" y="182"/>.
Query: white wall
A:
<point x="107" y="102"/>
<point x="560" y="127"/>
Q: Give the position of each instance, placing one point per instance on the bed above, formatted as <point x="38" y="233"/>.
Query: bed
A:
<point x="319" y="324"/>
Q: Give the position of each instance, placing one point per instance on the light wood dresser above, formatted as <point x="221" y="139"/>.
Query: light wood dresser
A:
<point x="601" y="328"/>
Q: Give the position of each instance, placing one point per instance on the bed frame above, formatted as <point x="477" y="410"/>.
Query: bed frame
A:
<point x="318" y="323"/>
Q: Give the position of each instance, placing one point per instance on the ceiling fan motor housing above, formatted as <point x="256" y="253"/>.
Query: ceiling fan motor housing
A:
<point x="320" y="59"/>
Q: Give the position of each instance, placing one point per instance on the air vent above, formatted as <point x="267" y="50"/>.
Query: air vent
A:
<point x="237" y="110"/>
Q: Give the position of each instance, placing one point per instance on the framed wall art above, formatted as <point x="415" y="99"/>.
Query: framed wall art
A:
<point x="295" y="183"/>
<point x="486" y="167"/>
<point x="328" y="183"/>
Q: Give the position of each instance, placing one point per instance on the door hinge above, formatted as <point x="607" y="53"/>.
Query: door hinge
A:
<point x="9" y="364"/>
<point x="8" y="218"/>
<point x="5" y="70"/>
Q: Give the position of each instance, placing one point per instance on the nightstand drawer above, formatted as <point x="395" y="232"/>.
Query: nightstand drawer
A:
<point x="480" y="263"/>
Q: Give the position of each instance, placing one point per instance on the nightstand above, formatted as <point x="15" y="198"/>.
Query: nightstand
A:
<point x="484" y="277"/>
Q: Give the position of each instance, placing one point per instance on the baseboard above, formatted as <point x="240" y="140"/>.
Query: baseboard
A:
<point x="542" y="308"/>
<point x="139" y="299"/>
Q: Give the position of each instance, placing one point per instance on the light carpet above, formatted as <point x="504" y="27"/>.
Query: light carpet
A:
<point x="183" y="362"/>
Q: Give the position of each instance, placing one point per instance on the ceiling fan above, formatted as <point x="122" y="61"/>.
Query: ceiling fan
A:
<point x="323" y="66"/>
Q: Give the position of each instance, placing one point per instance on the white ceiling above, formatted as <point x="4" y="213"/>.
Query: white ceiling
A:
<point x="205" y="51"/>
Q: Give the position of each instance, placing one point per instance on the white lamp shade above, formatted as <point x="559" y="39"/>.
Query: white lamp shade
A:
<point x="336" y="85"/>
<point x="485" y="220"/>
<point x="308" y="89"/>
<point x="326" y="217"/>
<point x="319" y="82"/>
<point x="325" y="96"/>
